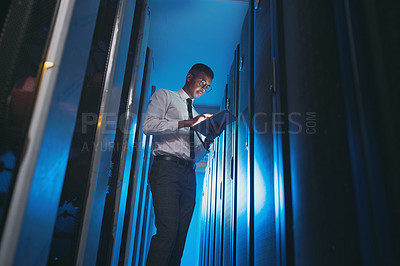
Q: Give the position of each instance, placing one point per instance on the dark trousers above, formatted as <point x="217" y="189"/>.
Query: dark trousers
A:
<point x="173" y="188"/>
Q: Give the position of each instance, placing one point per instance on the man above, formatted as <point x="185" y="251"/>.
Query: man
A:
<point x="176" y="148"/>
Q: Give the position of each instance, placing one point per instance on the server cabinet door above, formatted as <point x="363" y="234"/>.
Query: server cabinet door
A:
<point x="50" y="135"/>
<point x="133" y="224"/>
<point x="207" y="199"/>
<point x="219" y="210"/>
<point x="70" y="234"/>
<point x="324" y="208"/>
<point x="203" y="221"/>
<point x="116" y="200"/>
<point x="242" y="237"/>
<point x="24" y="34"/>
<point x="266" y="192"/>
<point x="213" y="203"/>
<point x="228" y="187"/>
<point x="369" y="56"/>
<point x="100" y="168"/>
<point x="148" y="227"/>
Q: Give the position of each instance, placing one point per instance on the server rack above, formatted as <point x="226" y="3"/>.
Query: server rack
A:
<point x="219" y="200"/>
<point x="320" y="191"/>
<point x="40" y="174"/>
<point x="269" y="206"/>
<point x="228" y="182"/>
<point x="243" y="174"/>
<point x="22" y="57"/>
<point x="75" y="204"/>
<point x="107" y="42"/>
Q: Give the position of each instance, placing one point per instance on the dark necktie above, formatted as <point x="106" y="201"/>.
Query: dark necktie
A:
<point x="189" y="107"/>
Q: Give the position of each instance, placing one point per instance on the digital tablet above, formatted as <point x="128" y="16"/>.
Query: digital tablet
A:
<point x="215" y="124"/>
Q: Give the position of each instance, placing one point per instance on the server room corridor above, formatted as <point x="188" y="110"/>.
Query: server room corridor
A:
<point x="308" y="174"/>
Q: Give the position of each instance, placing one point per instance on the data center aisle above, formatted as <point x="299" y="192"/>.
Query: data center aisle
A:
<point x="308" y="175"/>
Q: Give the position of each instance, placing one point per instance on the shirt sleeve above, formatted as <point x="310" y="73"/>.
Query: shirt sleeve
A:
<point x="154" y="120"/>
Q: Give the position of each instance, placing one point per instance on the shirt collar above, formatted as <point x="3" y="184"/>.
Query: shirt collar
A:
<point x="184" y="95"/>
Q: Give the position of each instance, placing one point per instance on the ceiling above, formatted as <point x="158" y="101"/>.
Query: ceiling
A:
<point x="185" y="32"/>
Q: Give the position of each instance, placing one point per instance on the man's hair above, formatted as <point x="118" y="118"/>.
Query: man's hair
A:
<point x="197" y="68"/>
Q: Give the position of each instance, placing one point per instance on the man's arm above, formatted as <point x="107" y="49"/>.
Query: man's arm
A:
<point x="154" y="119"/>
<point x="193" y="121"/>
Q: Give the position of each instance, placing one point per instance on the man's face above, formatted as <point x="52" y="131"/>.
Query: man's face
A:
<point x="195" y="83"/>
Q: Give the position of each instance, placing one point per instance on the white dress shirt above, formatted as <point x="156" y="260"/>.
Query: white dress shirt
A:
<point x="166" y="108"/>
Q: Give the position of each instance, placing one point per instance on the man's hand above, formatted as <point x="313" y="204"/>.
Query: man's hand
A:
<point x="194" y="121"/>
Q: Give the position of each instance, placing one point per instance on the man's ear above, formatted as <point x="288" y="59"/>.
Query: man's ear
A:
<point x="189" y="77"/>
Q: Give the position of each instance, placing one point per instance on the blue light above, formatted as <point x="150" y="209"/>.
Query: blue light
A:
<point x="185" y="32"/>
<point x="259" y="189"/>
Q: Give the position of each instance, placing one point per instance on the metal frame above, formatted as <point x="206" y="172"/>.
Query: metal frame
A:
<point x="22" y="223"/>
<point x="94" y="174"/>
<point x="129" y="136"/>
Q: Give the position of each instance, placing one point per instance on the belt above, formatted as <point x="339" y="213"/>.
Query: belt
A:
<point x="178" y="161"/>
